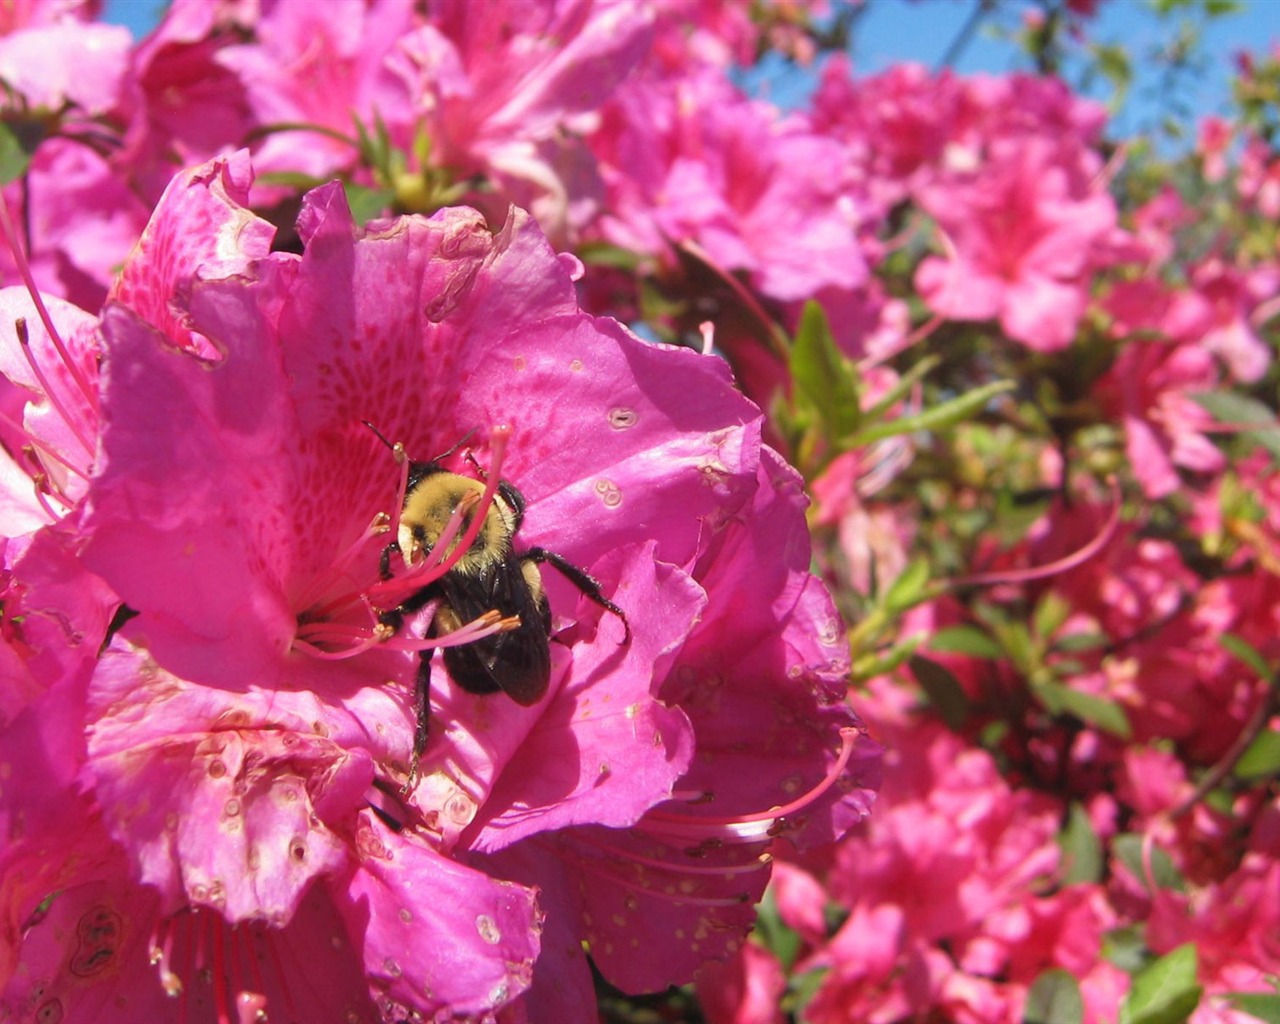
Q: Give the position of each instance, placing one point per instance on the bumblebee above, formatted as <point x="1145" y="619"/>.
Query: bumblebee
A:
<point x="489" y="576"/>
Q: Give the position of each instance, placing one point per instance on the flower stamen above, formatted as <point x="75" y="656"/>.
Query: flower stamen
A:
<point x="748" y="828"/>
<point x="24" y="342"/>
<point x="24" y="270"/>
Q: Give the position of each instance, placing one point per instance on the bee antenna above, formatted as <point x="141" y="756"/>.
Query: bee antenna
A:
<point x="378" y="434"/>
<point x="458" y="444"/>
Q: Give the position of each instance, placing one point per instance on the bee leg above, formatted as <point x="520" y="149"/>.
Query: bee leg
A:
<point x="581" y="579"/>
<point x="384" y="562"/>
<point x="422" y="714"/>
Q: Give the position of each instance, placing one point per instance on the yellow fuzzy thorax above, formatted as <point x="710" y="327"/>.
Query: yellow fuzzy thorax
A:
<point x="427" y="509"/>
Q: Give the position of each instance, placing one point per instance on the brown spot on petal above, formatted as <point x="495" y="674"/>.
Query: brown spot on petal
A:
<point x="99" y="933"/>
<point x="488" y="929"/>
<point x="621" y="418"/>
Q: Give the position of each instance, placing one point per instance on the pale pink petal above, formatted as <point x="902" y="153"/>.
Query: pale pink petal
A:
<point x="66" y="62"/>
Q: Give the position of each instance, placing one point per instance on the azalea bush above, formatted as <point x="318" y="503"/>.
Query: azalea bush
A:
<point x="922" y="441"/>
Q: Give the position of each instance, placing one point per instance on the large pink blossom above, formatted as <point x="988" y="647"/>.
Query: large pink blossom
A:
<point x="249" y="728"/>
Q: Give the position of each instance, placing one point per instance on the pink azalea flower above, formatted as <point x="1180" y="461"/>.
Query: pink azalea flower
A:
<point x="50" y="388"/>
<point x="679" y="884"/>
<point x="693" y="160"/>
<point x="801" y="901"/>
<point x="722" y="32"/>
<point x="938" y="882"/>
<point x="896" y="126"/>
<point x="1216" y="313"/>
<point x="249" y="729"/>
<point x="81" y="221"/>
<point x="49" y="64"/>
<point x="1212" y="141"/>
<point x="182" y="106"/>
<point x="1259" y="182"/>
<point x="1022" y="239"/>
<point x="507" y="93"/>
<point x="1147" y="390"/>
<point x="746" y="990"/>
<point x="1234" y="923"/>
<point x="28" y="13"/>
<point x="317" y="66"/>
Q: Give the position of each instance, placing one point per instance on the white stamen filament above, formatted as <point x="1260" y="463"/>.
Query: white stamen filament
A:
<point x="24" y="343"/>
<point x="755" y="827"/>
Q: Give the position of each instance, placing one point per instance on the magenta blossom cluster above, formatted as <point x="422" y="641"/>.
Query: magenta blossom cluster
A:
<point x="267" y="263"/>
<point x="208" y="726"/>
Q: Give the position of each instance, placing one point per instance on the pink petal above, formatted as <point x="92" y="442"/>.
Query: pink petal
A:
<point x="200" y="230"/>
<point x="438" y="936"/>
<point x="602" y="750"/>
<point x="216" y="810"/>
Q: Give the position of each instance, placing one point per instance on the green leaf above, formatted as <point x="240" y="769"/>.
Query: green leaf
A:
<point x="1113" y="63"/>
<point x="602" y="254"/>
<point x="1246" y="652"/>
<point x="823" y="375"/>
<point x="1051" y="612"/>
<point x="1076" y="642"/>
<point x="1054" y="998"/>
<point x="1233" y="408"/>
<point x="774" y="935"/>
<point x="1105" y="714"/>
<point x="938" y="418"/>
<point x="908" y="590"/>
<point x="1125" y="948"/>
<point x="1165" y="991"/>
<point x="289" y="179"/>
<point x="1081" y="849"/>
<point x="1127" y="848"/>
<point x="943" y="690"/>
<point x="880" y="664"/>
<point x="1261" y="758"/>
<point x="802" y="988"/>
<point x="1263" y="1005"/>
<point x="367" y="203"/>
<point x="14" y="159"/>
<point x="968" y="640"/>
<point x="901" y="388"/>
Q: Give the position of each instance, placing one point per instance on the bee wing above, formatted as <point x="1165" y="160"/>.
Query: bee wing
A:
<point x="517" y="662"/>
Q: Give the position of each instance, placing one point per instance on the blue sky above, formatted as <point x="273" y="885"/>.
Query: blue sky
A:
<point x="898" y="30"/>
